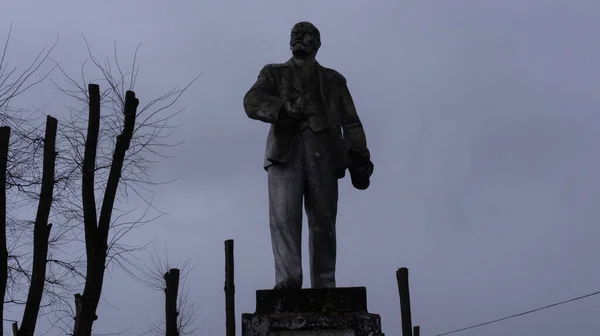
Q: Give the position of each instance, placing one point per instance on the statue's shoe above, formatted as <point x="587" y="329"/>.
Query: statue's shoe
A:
<point x="287" y="284"/>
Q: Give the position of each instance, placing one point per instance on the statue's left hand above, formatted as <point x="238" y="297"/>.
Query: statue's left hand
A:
<point x="365" y="168"/>
<point x="360" y="174"/>
<point x="361" y="169"/>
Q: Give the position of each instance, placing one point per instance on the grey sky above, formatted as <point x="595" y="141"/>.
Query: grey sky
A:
<point x="482" y="118"/>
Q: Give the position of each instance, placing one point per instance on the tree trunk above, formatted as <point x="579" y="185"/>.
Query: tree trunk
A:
<point x="171" y="289"/>
<point x="96" y="230"/>
<point x="4" y="141"/>
<point x="41" y="233"/>
<point x="83" y="318"/>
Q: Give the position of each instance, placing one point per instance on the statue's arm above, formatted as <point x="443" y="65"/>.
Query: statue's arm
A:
<point x="262" y="101"/>
<point x="353" y="132"/>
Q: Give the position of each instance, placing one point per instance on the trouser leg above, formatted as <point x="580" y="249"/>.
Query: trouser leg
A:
<point x="285" y="216"/>
<point x="321" y="197"/>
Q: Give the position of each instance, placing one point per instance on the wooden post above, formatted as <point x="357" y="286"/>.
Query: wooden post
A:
<point x="229" y="289"/>
<point x="417" y="331"/>
<point x="402" y="278"/>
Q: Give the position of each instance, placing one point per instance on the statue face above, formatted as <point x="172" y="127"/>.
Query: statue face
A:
<point x="304" y="40"/>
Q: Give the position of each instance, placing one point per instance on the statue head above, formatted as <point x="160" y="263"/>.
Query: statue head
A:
<point x="305" y="40"/>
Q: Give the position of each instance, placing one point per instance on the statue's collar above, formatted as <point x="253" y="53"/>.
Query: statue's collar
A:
<point x="303" y="63"/>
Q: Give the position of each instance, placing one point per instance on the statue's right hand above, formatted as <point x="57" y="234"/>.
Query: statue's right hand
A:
<point x="293" y="110"/>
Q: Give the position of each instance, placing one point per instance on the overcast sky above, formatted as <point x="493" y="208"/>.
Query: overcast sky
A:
<point x="481" y="116"/>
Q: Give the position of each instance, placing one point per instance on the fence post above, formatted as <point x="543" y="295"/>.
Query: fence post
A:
<point x="417" y="331"/>
<point x="15" y="328"/>
<point x="229" y="290"/>
<point x="402" y="278"/>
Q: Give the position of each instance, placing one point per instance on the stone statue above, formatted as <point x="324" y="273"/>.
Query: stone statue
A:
<point x="315" y="136"/>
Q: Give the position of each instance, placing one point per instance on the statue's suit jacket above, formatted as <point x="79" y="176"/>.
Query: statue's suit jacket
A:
<point x="277" y="83"/>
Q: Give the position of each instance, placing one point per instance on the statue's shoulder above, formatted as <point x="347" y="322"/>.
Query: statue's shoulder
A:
<point x="275" y="66"/>
<point x="333" y="75"/>
<point x="278" y="65"/>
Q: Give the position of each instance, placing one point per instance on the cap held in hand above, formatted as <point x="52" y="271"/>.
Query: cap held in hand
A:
<point x="360" y="170"/>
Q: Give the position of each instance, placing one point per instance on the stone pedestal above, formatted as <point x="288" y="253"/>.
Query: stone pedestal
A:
<point x="312" y="312"/>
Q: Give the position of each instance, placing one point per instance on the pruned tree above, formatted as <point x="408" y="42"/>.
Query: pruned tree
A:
<point x="4" y="143"/>
<point x="41" y="233"/>
<point x="100" y="160"/>
<point x="20" y="179"/>
<point x="109" y="148"/>
<point x="171" y="290"/>
<point x="180" y="317"/>
<point x="97" y="227"/>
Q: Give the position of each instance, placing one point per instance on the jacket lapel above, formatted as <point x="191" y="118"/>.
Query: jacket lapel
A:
<point x="323" y="87"/>
<point x="291" y="76"/>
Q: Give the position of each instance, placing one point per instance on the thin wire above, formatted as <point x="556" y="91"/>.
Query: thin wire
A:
<point x="520" y="314"/>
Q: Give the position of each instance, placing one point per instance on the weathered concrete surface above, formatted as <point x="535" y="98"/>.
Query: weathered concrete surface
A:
<point x="362" y="324"/>
<point x="312" y="312"/>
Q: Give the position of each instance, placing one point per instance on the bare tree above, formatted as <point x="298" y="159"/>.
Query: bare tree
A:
<point x="108" y="157"/>
<point x="97" y="227"/>
<point x="105" y="158"/>
<point x="4" y="142"/>
<point x="19" y="179"/>
<point x="180" y="311"/>
<point x="41" y="233"/>
<point x="171" y="290"/>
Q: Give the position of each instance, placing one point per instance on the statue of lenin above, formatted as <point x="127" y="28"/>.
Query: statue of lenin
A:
<point x="315" y="135"/>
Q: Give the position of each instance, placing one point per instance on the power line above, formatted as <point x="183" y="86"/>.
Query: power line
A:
<point x="520" y="314"/>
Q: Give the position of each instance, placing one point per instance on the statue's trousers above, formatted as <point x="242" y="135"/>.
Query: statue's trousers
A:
<point x="309" y="176"/>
